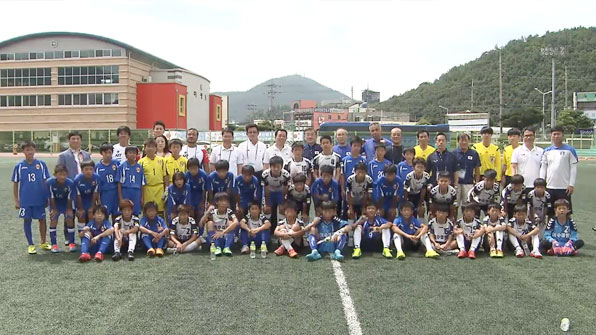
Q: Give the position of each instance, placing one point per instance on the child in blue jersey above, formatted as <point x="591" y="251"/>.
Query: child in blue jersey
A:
<point x="131" y="180"/>
<point x="523" y="233"/>
<point x="370" y="229"/>
<point x="199" y="184"/>
<point x="387" y="192"/>
<point x="30" y="194"/>
<point x="408" y="232"/>
<point x="254" y="229"/>
<point x="406" y="166"/>
<point x="61" y="197"/>
<point x="289" y="230"/>
<point x="325" y="188"/>
<point x="327" y="233"/>
<point x="560" y="236"/>
<point x="220" y="180"/>
<point x="376" y="167"/>
<point x="348" y="168"/>
<point x="184" y="234"/>
<point x="178" y="194"/>
<point x="154" y="231"/>
<point x="468" y="232"/>
<point x="107" y="170"/>
<point x="221" y="224"/>
<point x="247" y="189"/>
<point x="87" y="185"/>
<point x="96" y="236"/>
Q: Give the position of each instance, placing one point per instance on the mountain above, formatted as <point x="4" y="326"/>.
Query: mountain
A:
<point x="289" y="88"/>
<point x="524" y="69"/>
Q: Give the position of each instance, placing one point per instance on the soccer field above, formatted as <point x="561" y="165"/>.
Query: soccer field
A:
<point x="184" y="294"/>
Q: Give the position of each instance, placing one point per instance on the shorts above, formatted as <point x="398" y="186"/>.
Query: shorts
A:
<point x="387" y="205"/>
<point x="152" y="193"/>
<point x="32" y="212"/>
<point x="371" y="241"/>
<point x="109" y="199"/>
<point x="557" y="194"/>
<point x="275" y="198"/>
<point x="300" y="207"/>
<point x="358" y="210"/>
<point x="196" y="200"/>
<point x="87" y="203"/>
<point x="134" y="195"/>
<point x="61" y="209"/>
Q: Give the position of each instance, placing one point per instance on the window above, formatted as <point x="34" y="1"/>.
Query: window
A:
<point x="181" y="105"/>
<point x="25" y="100"/>
<point x="25" y="77"/>
<point x="88" y="75"/>
<point x="116" y="52"/>
<point x="85" y="99"/>
<point x="218" y="113"/>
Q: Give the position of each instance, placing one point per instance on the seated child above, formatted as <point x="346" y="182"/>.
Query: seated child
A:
<point x="126" y="227"/>
<point x="327" y="233"/>
<point x="369" y="230"/>
<point x="299" y="193"/>
<point x="289" y="230"/>
<point x="468" y="231"/>
<point x="408" y="232"/>
<point x="184" y="234"/>
<point x="540" y="204"/>
<point x="96" y="236"/>
<point x="440" y="230"/>
<point x="522" y="232"/>
<point x="495" y="229"/>
<point x="254" y="229"/>
<point x="153" y="230"/>
<point x="560" y="236"/>
<point x="221" y="224"/>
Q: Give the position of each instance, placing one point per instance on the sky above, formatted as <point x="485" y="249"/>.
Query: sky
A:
<point x="387" y="46"/>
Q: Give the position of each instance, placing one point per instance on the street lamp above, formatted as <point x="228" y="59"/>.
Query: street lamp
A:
<point x="446" y="111"/>
<point x="544" y="94"/>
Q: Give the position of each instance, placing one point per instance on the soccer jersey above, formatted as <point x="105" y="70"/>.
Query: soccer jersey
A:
<point x="156" y="225"/>
<point x="299" y="196"/>
<point x="559" y="166"/>
<point x="328" y="228"/>
<point x="248" y="191"/>
<point x="348" y="165"/>
<point x="342" y="151"/>
<point x="118" y="153"/>
<point x="175" y="165"/>
<point x="331" y="190"/>
<point x="469" y="227"/>
<point x="216" y="184"/>
<point x="359" y="189"/>
<point x="376" y="169"/>
<point x="560" y="232"/>
<point x="409" y="227"/>
<point x="540" y="205"/>
<point x="288" y="225"/>
<point x="183" y="232"/>
<point x="490" y="158"/>
<point x="255" y="223"/>
<point x="86" y="187"/>
<point x="521" y="228"/>
<point x="61" y="193"/>
<point x="413" y="184"/>
<point x="198" y="185"/>
<point x="507" y="153"/>
<point x="31" y="179"/>
<point x="486" y="221"/>
<point x="223" y="220"/>
<point x="294" y="167"/>
<point x="108" y="175"/>
<point x="403" y="168"/>
<point x="441" y="231"/>
<point x="154" y="169"/>
<point x="482" y="196"/>
<point x="131" y="176"/>
<point x="120" y="223"/>
<point x="333" y="160"/>
<point x="178" y="196"/>
<point x="447" y="198"/>
<point x="423" y="153"/>
<point x="275" y="183"/>
<point x="387" y="190"/>
<point x="96" y="229"/>
<point x="512" y="196"/>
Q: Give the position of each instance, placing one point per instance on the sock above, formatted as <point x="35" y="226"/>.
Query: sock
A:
<point x="147" y="241"/>
<point x="104" y="244"/>
<point x="475" y="242"/>
<point x="210" y="236"/>
<point x="397" y="242"/>
<point x="71" y="235"/>
<point x="229" y="239"/>
<point x="461" y="242"/>
<point x="244" y="237"/>
<point x="265" y="236"/>
<point x="312" y="241"/>
<point x="132" y="242"/>
<point x="170" y="250"/>
<point x="499" y="242"/>
<point x="358" y="237"/>
<point x="192" y="246"/>
<point x="116" y="246"/>
<point x="85" y="244"/>
<point x="386" y="236"/>
<point x="80" y="227"/>
<point x="341" y="243"/>
<point x="53" y="236"/>
<point x="514" y="241"/>
<point x="27" y="228"/>
<point x="535" y="243"/>
<point x="201" y="230"/>
<point x="427" y="244"/>
<point x="161" y="244"/>
<point x="65" y="230"/>
<point x="287" y="243"/>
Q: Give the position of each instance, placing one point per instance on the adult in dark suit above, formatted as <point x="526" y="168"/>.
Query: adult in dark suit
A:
<point x="73" y="156"/>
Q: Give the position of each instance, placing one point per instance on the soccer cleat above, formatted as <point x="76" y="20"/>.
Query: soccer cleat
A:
<point x="218" y="251"/>
<point x="72" y="247"/>
<point x="493" y="254"/>
<point x="31" y="250"/>
<point x="536" y="254"/>
<point x="314" y="255"/>
<point x="159" y="252"/>
<point x="55" y="249"/>
<point x="85" y="257"/>
<point x="472" y="254"/>
<point x="519" y="253"/>
<point x="462" y="254"/>
<point x="292" y="253"/>
<point x="45" y="246"/>
<point x="245" y="249"/>
<point x="499" y="254"/>
<point x="98" y="257"/>
<point x="400" y="255"/>
<point x="151" y="252"/>
<point x="131" y="256"/>
<point x="116" y="256"/>
<point x="386" y="253"/>
<point x="337" y="255"/>
<point x="280" y="251"/>
<point x="356" y="253"/>
<point x="432" y="254"/>
<point x="227" y="252"/>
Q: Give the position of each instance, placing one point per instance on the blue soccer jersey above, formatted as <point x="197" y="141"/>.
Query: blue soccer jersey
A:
<point x="97" y="229"/>
<point x="402" y="171"/>
<point x="61" y="193"/>
<point x="348" y="165"/>
<point x="131" y="176"/>
<point x="178" y="196"/>
<point x="31" y="178"/>
<point x="387" y="190"/>
<point x="108" y="175"/>
<point x="328" y="228"/>
<point x="560" y="232"/>
<point x="248" y="191"/>
<point x="198" y="185"/>
<point x="331" y="190"/>
<point x="217" y="184"/>
<point x="156" y="225"/>
<point x="409" y="227"/>
<point x="86" y="188"/>
<point x="376" y="169"/>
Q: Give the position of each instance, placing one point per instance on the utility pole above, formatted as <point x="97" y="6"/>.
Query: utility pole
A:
<point x="352" y="93"/>
<point x="543" y="110"/>
<point x="553" y="107"/>
<point x="501" y="93"/>
<point x="472" y="97"/>
<point x="566" y="106"/>
<point x="271" y="92"/>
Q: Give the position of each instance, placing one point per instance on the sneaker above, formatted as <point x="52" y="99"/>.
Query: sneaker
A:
<point x="55" y="249"/>
<point x="159" y="252"/>
<point x="280" y="251"/>
<point x="72" y="247"/>
<point x="245" y="249"/>
<point x="337" y="256"/>
<point x="536" y="254"/>
<point x="116" y="256"/>
<point x="31" y="250"/>
<point x="472" y="254"/>
<point x="45" y="246"/>
<point x="400" y="255"/>
<point x="356" y="253"/>
<point x="431" y="254"/>
<point x="499" y="254"/>
<point x="386" y="253"/>
<point x="313" y="256"/>
<point x="227" y="252"/>
<point x="519" y="253"/>
<point x="462" y="254"/>
<point x="131" y="256"/>
<point x="493" y="254"/>
<point x="66" y="242"/>
<point x="292" y="253"/>
<point x="218" y="251"/>
<point x="85" y="257"/>
<point x="151" y="252"/>
<point x="98" y="257"/>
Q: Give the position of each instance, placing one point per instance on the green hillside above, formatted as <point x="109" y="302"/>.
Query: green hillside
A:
<point x="524" y="68"/>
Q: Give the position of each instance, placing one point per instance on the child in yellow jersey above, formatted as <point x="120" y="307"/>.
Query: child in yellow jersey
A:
<point x="155" y="174"/>
<point x="175" y="162"/>
<point x="490" y="154"/>
<point x="513" y="136"/>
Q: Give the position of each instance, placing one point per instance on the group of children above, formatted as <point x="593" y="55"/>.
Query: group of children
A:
<point x="383" y="203"/>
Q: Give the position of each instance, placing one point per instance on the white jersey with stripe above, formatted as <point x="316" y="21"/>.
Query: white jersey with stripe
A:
<point x="183" y="231"/>
<point x="469" y="227"/>
<point x="512" y="196"/>
<point x="413" y="184"/>
<point x="486" y="221"/>
<point x="441" y="231"/>
<point x="540" y="205"/>
<point x="120" y="223"/>
<point x="255" y="224"/>
<point x="482" y="196"/>
<point x="449" y="197"/>
<point x="276" y="183"/>
<point x="294" y="168"/>
<point x="333" y="160"/>
<point x="288" y="226"/>
<point x="299" y="196"/>
<point x="222" y="221"/>
<point x="358" y="189"/>
<point x="521" y="228"/>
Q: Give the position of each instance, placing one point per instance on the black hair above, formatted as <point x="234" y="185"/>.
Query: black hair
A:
<point x="278" y="130"/>
<point x="87" y="163"/>
<point x="490" y="174"/>
<point x="417" y="161"/>
<point x="469" y="206"/>
<point x="121" y="129"/>
<point x="159" y="123"/>
<point x="520" y="208"/>
<point x="361" y="166"/>
<point x="175" y="141"/>
<point x="248" y="169"/>
<point x="101" y="209"/>
<point x="75" y="133"/>
<point x="150" y="142"/>
<point x="183" y="208"/>
<point x="328" y="169"/>
<point x="193" y="162"/>
<point x="149" y="205"/>
<point x="442" y="208"/>
<point x="539" y="182"/>
<point x="561" y="202"/>
<point x="380" y="146"/>
<point x="60" y="168"/>
<point x="495" y="205"/>
<point x="222" y="165"/>
<point x="557" y="129"/>
<point x="221" y="196"/>
<point x="390" y="169"/>
<point x="486" y="130"/>
<point x="422" y="131"/>
<point x="252" y="125"/>
<point x="410" y="150"/>
<point x="513" y="132"/>
<point x="178" y="175"/>
<point x="131" y="148"/>
<point x="326" y="137"/>
<point x="299" y="178"/>
<point x="297" y="145"/>
<point x="28" y="144"/>
<point x="441" y="134"/>
<point x="407" y="204"/>
<point x="356" y="139"/>
<point x="530" y="129"/>
<point x="254" y="203"/>
<point x="105" y="146"/>
<point x="291" y="204"/>
<point x="325" y="205"/>
<point x="443" y="174"/>
<point x="517" y="179"/>
<point x="462" y="135"/>
<point x="227" y="130"/>
<point x="276" y="160"/>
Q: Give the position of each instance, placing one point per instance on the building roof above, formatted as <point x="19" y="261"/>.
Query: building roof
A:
<point x="140" y="54"/>
<point x="586" y="96"/>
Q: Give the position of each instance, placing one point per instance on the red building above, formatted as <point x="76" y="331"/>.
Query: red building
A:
<point x="321" y="115"/>
<point x="301" y="104"/>
<point x="161" y="101"/>
<point x="215" y="112"/>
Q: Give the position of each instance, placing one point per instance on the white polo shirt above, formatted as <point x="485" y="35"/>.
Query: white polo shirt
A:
<point x="118" y="153"/>
<point x="253" y="153"/>
<point x="528" y="163"/>
<point x="231" y="154"/>
<point x="272" y="151"/>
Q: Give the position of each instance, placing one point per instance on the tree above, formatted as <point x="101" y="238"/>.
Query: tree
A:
<point x="266" y="126"/>
<point x="571" y="120"/>
<point x="521" y="118"/>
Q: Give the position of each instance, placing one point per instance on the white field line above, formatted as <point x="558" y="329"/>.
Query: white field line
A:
<point x="346" y="300"/>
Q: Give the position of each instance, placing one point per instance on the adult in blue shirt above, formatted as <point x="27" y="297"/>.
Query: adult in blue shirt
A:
<point x="74" y="155"/>
<point x="376" y="139"/>
<point x="468" y="167"/>
<point x="442" y="160"/>
<point x="311" y="147"/>
<point x="342" y="148"/>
